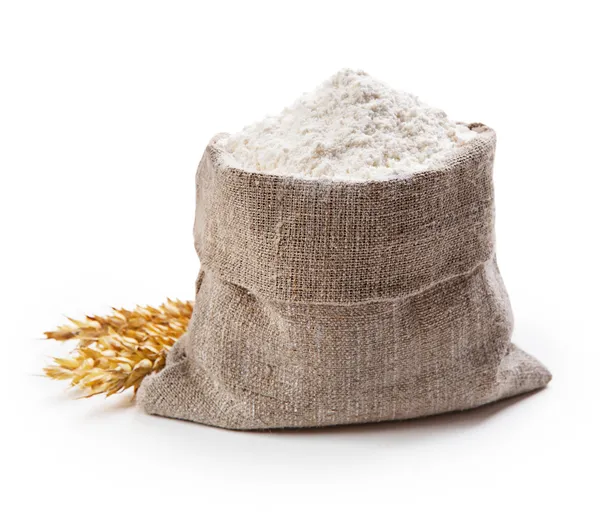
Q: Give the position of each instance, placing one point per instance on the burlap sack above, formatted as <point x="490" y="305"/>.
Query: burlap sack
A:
<point x="324" y="303"/>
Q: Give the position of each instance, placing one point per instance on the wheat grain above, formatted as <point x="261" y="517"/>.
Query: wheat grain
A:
<point x="115" y="352"/>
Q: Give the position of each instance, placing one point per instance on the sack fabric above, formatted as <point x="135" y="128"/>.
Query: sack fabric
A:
<point x="325" y="302"/>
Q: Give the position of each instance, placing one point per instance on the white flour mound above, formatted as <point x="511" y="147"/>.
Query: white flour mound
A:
<point x="352" y="127"/>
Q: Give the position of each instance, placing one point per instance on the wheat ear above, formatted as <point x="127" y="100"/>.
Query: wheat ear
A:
<point x="115" y="352"/>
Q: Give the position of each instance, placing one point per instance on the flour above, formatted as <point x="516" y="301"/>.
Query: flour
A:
<point x="352" y="127"/>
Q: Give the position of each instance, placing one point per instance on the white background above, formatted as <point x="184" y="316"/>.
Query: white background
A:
<point x="105" y="110"/>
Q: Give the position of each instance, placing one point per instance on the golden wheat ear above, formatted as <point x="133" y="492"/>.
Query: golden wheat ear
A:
<point x="115" y="352"/>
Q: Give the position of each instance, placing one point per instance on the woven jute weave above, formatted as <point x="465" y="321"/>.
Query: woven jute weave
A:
<point x="324" y="303"/>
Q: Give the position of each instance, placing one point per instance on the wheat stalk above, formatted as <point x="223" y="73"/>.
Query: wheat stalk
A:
<point x="115" y="352"/>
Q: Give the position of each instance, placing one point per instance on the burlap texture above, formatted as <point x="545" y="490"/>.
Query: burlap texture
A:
<point x="323" y="303"/>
